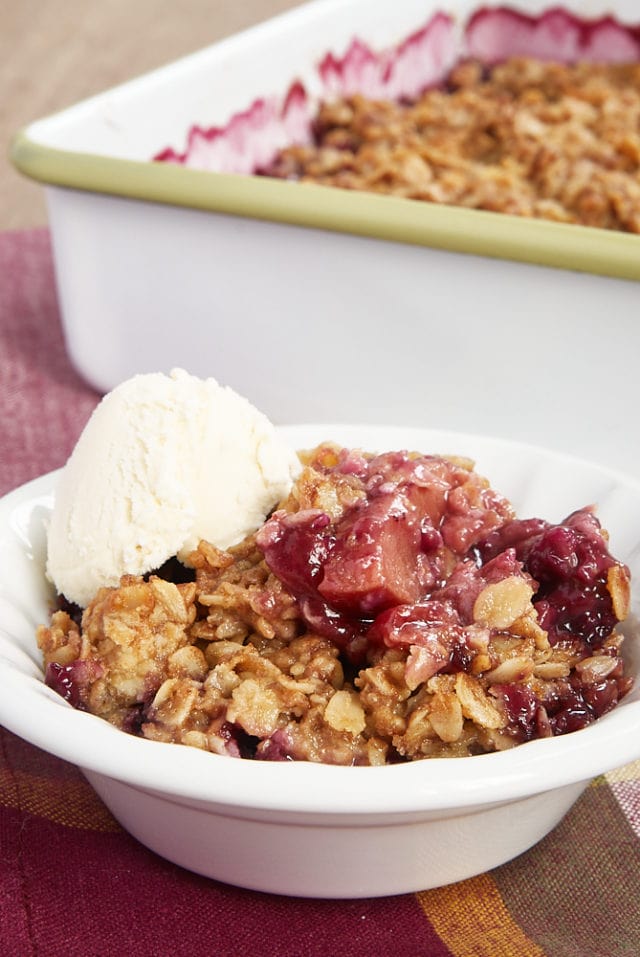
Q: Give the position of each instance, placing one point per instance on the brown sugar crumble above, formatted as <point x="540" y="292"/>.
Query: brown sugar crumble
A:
<point x="392" y="609"/>
<point x="526" y="137"/>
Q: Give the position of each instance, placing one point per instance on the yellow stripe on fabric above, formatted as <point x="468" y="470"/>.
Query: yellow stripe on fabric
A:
<point x="472" y="920"/>
<point x="598" y="782"/>
<point x="70" y="803"/>
<point x="630" y="772"/>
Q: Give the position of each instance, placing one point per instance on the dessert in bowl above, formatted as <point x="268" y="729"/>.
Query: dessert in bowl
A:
<point x="317" y="829"/>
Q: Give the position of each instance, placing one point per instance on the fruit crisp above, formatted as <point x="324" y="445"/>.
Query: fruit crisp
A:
<point x="392" y="608"/>
<point x="526" y="137"/>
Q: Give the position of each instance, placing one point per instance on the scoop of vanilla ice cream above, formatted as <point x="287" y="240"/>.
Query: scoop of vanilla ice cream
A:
<point x="163" y="462"/>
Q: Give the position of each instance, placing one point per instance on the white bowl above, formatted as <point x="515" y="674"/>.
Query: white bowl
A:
<point x="315" y="830"/>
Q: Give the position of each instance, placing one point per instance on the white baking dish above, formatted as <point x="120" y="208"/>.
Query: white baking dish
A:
<point x="319" y="303"/>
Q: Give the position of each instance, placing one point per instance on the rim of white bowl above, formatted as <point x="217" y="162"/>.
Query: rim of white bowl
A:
<point x="34" y="712"/>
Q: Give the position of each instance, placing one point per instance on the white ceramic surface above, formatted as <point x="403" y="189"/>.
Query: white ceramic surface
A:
<point x="312" y="830"/>
<point x="317" y="324"/>
<point x="312" y="325"/>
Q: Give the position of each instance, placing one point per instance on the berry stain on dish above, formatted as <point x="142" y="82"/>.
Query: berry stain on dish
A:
<point x="334" y="605"/>
<point x="534" y="120"/>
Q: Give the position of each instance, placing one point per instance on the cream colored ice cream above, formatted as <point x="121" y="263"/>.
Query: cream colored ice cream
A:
<point x="163" y="462"/>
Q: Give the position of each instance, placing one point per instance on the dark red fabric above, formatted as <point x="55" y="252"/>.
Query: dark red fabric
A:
<point x="78" y="894"/>
<point x="43" y="402"/>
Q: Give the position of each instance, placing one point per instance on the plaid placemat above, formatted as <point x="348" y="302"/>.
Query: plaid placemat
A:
<point x="73" y="883"/>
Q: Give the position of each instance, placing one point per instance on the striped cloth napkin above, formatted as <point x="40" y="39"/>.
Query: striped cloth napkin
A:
<point x="73" y="883"/>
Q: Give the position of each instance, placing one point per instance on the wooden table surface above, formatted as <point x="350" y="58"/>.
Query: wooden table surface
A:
<point x="56" y="52"/>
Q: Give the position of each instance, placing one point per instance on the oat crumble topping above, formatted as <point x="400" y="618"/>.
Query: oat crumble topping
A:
<point x="393" y="608"/>
<point x="526" y="137"/>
